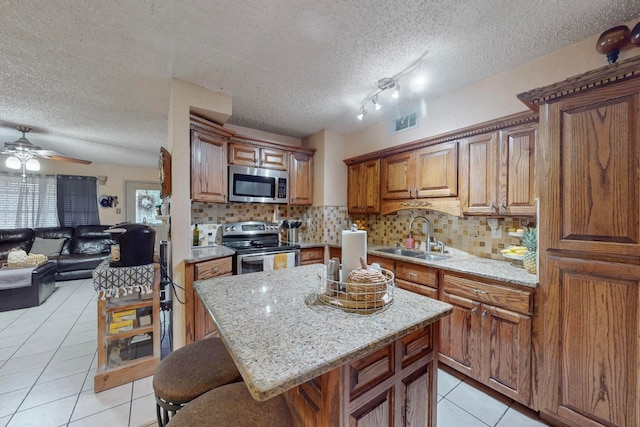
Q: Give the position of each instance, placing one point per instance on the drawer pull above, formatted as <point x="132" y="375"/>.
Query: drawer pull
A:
<point x="484" y="313"/>
<point x="474" y="310"/>
<point x="478" y="291"/>
<point x="412" y="274"/>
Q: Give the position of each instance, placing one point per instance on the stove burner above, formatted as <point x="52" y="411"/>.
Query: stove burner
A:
<point x="257" y="243"/>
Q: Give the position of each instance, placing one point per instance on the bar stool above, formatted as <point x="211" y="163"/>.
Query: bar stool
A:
<point x="232" y="405"/>
<point x="189" y="372"/>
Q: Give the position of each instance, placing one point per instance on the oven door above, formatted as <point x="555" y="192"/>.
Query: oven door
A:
<point x="253" y="263"/>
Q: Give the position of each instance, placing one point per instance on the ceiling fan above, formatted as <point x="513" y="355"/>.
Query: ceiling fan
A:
<point x="23" y="154"/>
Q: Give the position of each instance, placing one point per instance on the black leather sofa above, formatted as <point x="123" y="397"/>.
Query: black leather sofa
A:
<point x="84" y="247"/>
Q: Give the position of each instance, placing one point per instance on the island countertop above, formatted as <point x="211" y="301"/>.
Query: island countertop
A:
<point x="281" y="336"/>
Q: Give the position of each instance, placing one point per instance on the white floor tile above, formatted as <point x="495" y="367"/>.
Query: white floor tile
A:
<point x="24" y="363"/>
<point x="450" y="415"/>
<point x="142" y="387"/>
<point x="73" y="351"/>
<point x="65" y="368"/>
<point x="143" y="411"/>
<point x="113" y="417"/>
<point x="80" y="337"/>
<point x="446" y="382"/>
<point x="10" y="402"/>
<point x="19" y="329"/>
<point x="480" y="405"/>
<point x="52" y="414"/>
<point x="37" y="347"/>
<point x="19" y="380"/>
<point x="515" y="418"/>
<point x="91" y="325"/>
<point x="13" y="340"/>
<point x="91" y="403"/>
<point x="4" y="420"/>
<point x="54" y="390"/>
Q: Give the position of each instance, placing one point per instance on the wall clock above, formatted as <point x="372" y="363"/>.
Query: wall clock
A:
<point x="164" y="164"/>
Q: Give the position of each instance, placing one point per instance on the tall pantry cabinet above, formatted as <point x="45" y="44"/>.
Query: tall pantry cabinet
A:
<point x="587" y="329"/>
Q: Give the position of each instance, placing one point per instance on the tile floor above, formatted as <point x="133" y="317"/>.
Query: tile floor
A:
<point x="48" y="358"/>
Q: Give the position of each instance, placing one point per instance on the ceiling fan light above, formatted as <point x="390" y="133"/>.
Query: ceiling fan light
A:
<point x="13" y="162"/>
<point x="32" y="165"/>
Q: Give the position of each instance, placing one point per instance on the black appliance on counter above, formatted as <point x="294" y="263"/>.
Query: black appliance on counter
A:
<point x="134" y="244"/>
<point x="253" y="241"/>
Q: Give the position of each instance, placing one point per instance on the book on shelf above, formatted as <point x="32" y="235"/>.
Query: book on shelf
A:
<point x="119" y="316"/>
<point x="123" y="326"/>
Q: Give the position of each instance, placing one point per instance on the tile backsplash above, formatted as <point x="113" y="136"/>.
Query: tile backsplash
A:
<point x="325" y="224"/>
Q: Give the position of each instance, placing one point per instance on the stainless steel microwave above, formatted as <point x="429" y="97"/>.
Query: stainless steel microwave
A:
<point x="258" y="185"/>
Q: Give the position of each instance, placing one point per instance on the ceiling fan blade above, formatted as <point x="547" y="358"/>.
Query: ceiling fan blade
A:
<point x="69" y="159"/>
<point x="54" y="155"/>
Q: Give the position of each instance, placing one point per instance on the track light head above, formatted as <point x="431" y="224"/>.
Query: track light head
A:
<point x="376" y="104"/>
<point x="396" y="92"/>
<point x="363" y="113"/>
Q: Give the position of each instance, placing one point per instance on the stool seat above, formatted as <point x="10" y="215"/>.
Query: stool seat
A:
<point x="232" y="405"/>
<point x="191" y="371"/>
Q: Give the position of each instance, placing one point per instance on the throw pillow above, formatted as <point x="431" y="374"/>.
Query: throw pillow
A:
<point x="48" y="247"/>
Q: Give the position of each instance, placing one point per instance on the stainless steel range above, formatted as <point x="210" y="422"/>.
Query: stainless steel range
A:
<point x="255" y="243"/>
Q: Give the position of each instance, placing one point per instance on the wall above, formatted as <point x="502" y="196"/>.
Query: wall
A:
<point x="330" y="173"/>
<point x="116" y="176"/>
<point x="489" y="99"/>
<point x="186" y="98"/>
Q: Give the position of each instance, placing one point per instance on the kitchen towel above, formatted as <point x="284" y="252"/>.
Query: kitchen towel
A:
<point x="278" y="261"/>
<point x="354" y="246"/>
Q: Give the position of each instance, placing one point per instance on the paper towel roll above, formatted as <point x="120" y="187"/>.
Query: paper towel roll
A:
<point x="354" y="246"/>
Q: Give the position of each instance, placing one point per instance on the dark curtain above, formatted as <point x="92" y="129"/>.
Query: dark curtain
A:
<point x="77" y="200"/>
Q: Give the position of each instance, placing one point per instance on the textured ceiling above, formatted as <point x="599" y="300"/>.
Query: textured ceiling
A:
<point x="92" y="77"/>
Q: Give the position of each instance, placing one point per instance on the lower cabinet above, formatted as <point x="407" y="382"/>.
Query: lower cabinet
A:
<point x="488" y="335"/>
<point x="198" y="322"/>
<point x="416" y="278"/>
<point x="312" y="255"/>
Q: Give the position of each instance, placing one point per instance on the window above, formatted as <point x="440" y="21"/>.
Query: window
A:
<point x="77" y="200"/>
<point x="28" y="204"/>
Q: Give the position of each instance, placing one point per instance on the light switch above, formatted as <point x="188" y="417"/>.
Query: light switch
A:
<point x="118" y="210"/>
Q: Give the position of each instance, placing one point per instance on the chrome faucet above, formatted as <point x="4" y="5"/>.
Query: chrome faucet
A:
<point x="413" y="218"/>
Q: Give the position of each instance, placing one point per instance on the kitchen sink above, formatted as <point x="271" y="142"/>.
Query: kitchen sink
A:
<point x="415" y="254"/>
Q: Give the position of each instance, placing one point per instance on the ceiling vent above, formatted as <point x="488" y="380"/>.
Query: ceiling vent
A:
<point x="403" y="123"/>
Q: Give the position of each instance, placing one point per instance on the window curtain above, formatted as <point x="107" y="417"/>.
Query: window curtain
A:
<point x="28" y="204"/>
<point x="77" y="200"/>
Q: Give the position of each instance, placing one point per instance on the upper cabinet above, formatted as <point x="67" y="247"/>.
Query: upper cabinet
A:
<point x="497" y="172"/>
<point x="426" y="172"/>
<point x="208" y="162"/>
<point x="257" y="157"/>
<point x="301" y="179"/>
<point x="363" y="187"/>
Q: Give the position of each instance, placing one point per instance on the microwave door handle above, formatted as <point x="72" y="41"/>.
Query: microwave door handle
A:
<point x="275" y="192"/>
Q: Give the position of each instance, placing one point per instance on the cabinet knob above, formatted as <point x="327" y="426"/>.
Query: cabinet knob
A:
<point x="474" y="310"/>
<point x="409" y="192"/>
<point x="503" y="207"/>
<point x="484" y="314"/>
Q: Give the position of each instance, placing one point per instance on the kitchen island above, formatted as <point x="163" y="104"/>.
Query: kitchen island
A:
<point x="335" y="368"/>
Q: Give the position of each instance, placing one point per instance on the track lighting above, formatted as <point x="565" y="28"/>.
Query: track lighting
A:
<point x="376" y="105"/>
<point x="363" y="113"/>
<point x="388" y="83"/>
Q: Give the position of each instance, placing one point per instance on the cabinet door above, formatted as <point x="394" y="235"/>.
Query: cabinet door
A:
<point x="516" y="179"/>
<point x="437" y="171"/>
<point x="458" y="335"/>
<point x="506" y="352"/>
<point x="398" y="173"/>
<point x="301" y="179"/>
<point x="590" y="348"/>
<point x="244" y="155"/>
<point x="208" y="168"/>
<point x="478" y="174"/>
<point x="272" y="158"/>
<point x="363" y="187"/>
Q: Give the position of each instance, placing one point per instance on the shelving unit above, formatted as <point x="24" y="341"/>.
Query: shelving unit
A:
<point x="132" y="349"/>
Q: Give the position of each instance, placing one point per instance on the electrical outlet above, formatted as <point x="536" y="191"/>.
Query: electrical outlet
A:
<point x="118" y="210"/>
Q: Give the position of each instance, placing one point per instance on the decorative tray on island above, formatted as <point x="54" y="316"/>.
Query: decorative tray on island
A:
<point x="357" y="293"/>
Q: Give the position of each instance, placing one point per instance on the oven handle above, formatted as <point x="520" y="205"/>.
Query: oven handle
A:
<point x="254" y="258"/>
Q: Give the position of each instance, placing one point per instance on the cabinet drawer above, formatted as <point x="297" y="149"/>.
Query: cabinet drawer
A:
<point x="311" y="255"/>
<point x="383" y="262"/>
<point x="427" y="291"/>
<point x="212" y="268"/>
<point x="510" y="298"/>
<point x="417" y="273"/>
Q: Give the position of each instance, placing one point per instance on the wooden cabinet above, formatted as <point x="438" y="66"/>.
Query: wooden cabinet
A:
<point x="363" y="187"/>
<point x="301" y="179"/>
<point x="417" y="278"/>
<point x="393" y="386"/>
<point x="208" y="162"/>
<point x="488" y="335"/>
<point x="128" y="336"/>
<point x="198" y="322"/>
<point x="257" y="157"/>
<point x="497" y="172"/>
<point x="427" y="172"/>
<point x="312" y="256"/>
<point x="335" y="252"/>
<point x="587" y="163"/>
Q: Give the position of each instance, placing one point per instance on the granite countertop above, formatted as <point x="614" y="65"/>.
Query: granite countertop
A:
<point x="462" y="262"/>
<point x="204" y="253"/>
<point x="281" y="336"/>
